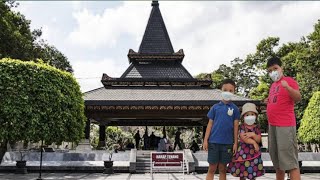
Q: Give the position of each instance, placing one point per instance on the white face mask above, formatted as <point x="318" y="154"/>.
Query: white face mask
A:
<point x="226" y="95"/>
<point x="250" y="120"/>
<point x="275" y="75"/>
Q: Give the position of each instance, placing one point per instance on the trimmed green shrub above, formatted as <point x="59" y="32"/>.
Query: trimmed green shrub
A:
<point x="309" y="131"/>
<point x="39" y="102"/>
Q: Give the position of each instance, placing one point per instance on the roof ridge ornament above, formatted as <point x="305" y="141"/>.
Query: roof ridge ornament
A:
<point x="155" y="3"/>
<point x="180" y="52"/>
<point x="105" y="77"/>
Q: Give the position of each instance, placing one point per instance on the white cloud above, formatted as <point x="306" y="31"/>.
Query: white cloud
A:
<point x="76" y="4"/>
<point x="96" y="30"/>
<point x="89" y="72"/>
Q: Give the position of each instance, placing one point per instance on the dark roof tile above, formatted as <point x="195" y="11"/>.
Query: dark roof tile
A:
<point x="156" y="39"/>
<point x="156" y="94"/>
<point x="156" y="69"/>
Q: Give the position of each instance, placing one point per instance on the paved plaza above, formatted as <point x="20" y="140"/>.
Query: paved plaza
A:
<point x="127" y="176"/>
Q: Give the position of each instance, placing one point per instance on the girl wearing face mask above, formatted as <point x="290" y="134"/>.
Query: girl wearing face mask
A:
<point x="247" y="162"/>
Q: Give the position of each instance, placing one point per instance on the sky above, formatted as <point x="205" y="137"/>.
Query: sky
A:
<point x="96" y="36"/>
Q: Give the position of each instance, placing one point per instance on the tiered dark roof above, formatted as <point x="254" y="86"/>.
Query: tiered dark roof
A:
<point x="155" y="63"/>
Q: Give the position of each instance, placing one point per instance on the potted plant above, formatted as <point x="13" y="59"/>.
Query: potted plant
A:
<point x="108" y="165"/>
<point x="21" y="164"/>
<point x="111" y="147"/>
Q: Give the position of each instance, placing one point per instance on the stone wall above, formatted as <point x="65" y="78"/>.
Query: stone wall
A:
<point x="69" y="156"/>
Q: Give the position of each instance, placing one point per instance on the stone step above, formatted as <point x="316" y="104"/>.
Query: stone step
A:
<point x="139" y="157"/>
<point x="143" y="155"/>
<point x="142" y="165"/>
<point x="148" y="168"/>
<point x="142" y="171"/>
<point x="143" y="160"/>
<point x="143" y="168"/>
<point x="155" y="171"/>
<point x="148" y="165"/>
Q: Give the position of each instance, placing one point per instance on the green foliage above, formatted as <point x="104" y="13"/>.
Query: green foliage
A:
<point x="201" y="75"/>
<point x="244" y="76"/>
<point x="260" y="92"/>
<point x="52" y="56"/>
<point x="39" y="102"/>
<point x="94" y="135"/>
<point x="263" y="122"/>
<point x="307" y="66"/>
<point x="265" y="49"/>
<point x="15" y="34"/>
<point x="114" y="133"/>
<point x="309" y="131"/>
<point x="217" y="79"/>
<point x="18" y="41"/>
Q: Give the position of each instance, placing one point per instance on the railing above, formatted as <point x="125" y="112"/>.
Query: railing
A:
<point x="186" y="163"/>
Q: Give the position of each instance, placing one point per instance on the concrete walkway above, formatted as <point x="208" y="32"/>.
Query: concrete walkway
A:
<point x="126" y="176"/>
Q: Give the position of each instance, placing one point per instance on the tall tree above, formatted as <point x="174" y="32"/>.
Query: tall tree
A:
<point x="52" y="56"/>
<point x="18" y="41"/>
<point x="307" y="65"/>
<point x="265" y="49"/>
<point x="244" y="75"/>
<point x="239" y="71"/>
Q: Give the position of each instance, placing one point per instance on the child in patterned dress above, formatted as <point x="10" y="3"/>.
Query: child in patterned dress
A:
<point x="247" y="162"/>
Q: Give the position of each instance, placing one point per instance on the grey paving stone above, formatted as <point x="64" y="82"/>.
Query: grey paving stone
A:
<point x="127" y="176"/>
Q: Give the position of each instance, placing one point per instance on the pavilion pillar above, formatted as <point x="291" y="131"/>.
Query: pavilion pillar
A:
<point x="102" y="136"/>
<point x="87" y="130"/>
<point x="164" y="132"/>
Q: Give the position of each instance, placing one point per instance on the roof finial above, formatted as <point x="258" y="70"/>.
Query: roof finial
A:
<point x="155" y="3"/>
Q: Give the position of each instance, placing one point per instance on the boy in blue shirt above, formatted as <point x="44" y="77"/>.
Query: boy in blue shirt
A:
<point x="221" y="138"/>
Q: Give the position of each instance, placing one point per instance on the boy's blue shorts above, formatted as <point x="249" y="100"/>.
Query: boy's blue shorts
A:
<point x="219" y="153"/>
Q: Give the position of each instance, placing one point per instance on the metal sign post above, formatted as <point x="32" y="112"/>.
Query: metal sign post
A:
<point x="40" y="178"/>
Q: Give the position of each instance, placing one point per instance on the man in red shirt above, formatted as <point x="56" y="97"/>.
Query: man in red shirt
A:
<point x="282" y="141"/>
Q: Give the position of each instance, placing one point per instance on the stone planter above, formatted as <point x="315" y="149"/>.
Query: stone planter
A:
<point x="21" y="167"/>
<point x="108" y="167"/>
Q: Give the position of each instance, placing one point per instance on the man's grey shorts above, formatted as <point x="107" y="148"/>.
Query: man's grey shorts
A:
<point x="283" y="147"/>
